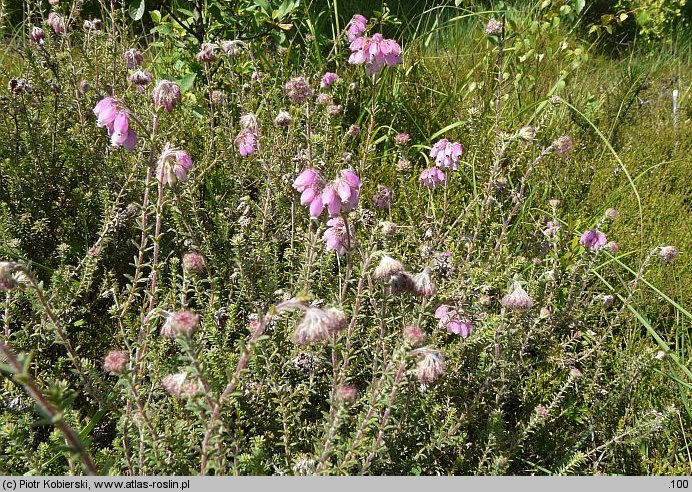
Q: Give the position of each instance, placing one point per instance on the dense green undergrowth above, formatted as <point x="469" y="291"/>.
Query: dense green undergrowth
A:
<point x="542" y="354"/>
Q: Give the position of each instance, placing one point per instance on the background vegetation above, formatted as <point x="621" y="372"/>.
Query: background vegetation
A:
<point x="573" y="386"/>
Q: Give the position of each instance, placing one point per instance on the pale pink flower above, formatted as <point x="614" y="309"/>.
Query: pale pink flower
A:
<point x="346" y="394"/>
<point x="115" y="362"/>
<point x="247" y="143"/>
<point x="446" y="154"/>
<point x="38" y="35"/>
<point x="433" y="177"/>
<point x="414" y="335"/>
<point x="337" y="237"/>
<point x="207" y="54"/>
<point x="328" y="79"/>
<point x="387" y="268"/>
<point x="193" y="262"/>
<point x="141" y="79"/>
<point x="111" y="114"/>
<point x="356" y="27"/>
<point x="57" y="23"/>
<point x="180" y="323"/>
<point x="173" y="165"/>
<point x="375" y="53"/>
<point x="593" y="239"/>
<point x="450" y="320"/>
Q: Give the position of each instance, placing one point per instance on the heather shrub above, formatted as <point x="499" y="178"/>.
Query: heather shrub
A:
<point x="335" y="253"/>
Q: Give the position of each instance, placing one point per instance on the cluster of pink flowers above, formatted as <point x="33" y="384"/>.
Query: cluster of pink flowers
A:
<point x="173" y="165"/>
<point x="328" y="79"/>
<point x="110" y="113"/>
<point x="450" y="320"/>
<point x="247" y="142"/>
<point x="432" y="177"/>
<point x="593" y="239"/>
<point x="375" y="52"/>
<point x="338" y="235"/>
<point x="356" y="27"/>
<point x="446" y="154"/>
<point x="340" y="195"/>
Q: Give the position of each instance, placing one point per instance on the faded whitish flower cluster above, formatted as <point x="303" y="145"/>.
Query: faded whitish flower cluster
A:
<point x="116" y="361"/>
<point x="493" y="27"/>
<point x="433" y="177"/>
<point x="563" y="146"/>
<point x="423" y="284"/>
<point x="387" y="268"/>
<point x="450" y="320"/>
<point x="446" y="154"/>
<point x="283" y="119"/>
<point x="111" y="114"/>
<point x="668" y="253"/>
<point x="231" y="48"/>
<point x="319" y="324"/>
<point x="431" y="365"/>
<point x="338" y="196"/>
<point x="180" y="386"/>
<point x="133" y="57"/>
<point x="207" y="53"/>
<point x="298" y="90"/>
<point x="173" y="165"/>
<point x="8" y="279"/>
<point x="180" y="323"/>
<point x="38" y="35"/>
<point x="612" y="214"/>
<point x="141" y="79"/>
<point x="166" y="95"/>
<point x="517" y="300"/>
<point x="593" y="239"/>
<point x="375" y="53"/>
<point x="57" y="23"/>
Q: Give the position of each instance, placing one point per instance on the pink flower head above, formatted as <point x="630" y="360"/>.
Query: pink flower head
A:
<point x="383" y="197"/>
<point x="105" y="111"/>
<point x="450" y="320"/>
<point x="328" y="79"/>
<point x="446" y="154"/>
<point x="593" y="239"/>
<point x="375" y="53"/>
<point x="402" y="138"/>
<point x="57" y="23"/>
<point x="116" y="119"/>
<point x="133" y="57"/>
<point x="247" y="143"/>
<point x="173" y="165"/>
<point x="336" y="236"/>
<point x="166" y="95"/>
<point x="38" y="35"/>
<point x="115" y="362"/>
<point x="306" y="179"/>
<point x="433" y="177"/>
<point x="356" y="27"/>
<point x="180" y="323"/>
